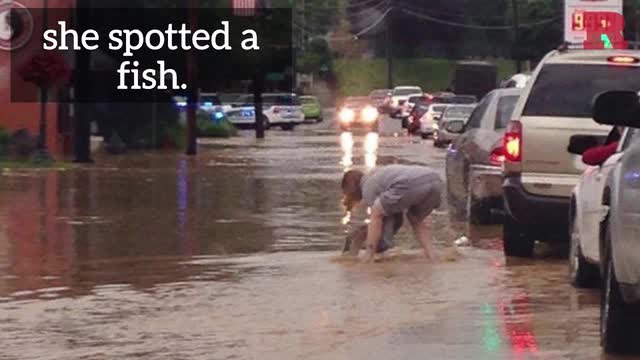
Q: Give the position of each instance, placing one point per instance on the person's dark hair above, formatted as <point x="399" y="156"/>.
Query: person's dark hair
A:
<point x="350" y="177"/>
<point x="351" y="183"/>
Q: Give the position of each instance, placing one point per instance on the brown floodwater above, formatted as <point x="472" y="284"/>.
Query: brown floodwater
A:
<point x="233" y="255"/>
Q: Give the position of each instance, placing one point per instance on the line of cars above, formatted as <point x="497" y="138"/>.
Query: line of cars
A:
<point x="528" y="152"/>
<point x="283" y="110"/>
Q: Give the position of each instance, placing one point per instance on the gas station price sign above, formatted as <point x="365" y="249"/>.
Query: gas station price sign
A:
<point x="595" y="24"/>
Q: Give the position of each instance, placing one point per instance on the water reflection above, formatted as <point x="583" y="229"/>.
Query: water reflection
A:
<point x="370" y="146"/>
<point x="346" y="142"/>
<point x="371" y="150"/>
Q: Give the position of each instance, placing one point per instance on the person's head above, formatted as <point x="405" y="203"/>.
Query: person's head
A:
<point x="351" y="188"/>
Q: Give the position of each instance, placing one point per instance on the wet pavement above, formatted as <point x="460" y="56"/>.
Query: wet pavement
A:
<point x="233" y="255"/>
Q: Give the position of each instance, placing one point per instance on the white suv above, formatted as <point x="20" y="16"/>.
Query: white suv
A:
<point x="539" y="172"/>
<point x="283" y="110"/>
<point x="400" y="95"/>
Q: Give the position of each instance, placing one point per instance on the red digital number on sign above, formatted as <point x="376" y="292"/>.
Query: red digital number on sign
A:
<point x="603" y="28"/>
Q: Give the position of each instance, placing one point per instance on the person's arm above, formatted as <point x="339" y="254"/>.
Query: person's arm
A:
<point x="598" y="155"/>
<point x="374" y="230"/>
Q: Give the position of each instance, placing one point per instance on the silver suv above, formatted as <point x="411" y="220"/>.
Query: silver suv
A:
<point x="539" y="172"/>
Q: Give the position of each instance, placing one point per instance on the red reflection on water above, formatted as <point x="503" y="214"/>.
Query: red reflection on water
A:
<point x="41" y="246"/>
<point x="518" y="323"/>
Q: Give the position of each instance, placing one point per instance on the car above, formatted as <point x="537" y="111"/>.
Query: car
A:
<point x="586" y="211"/>
<point x="208" y="103"/>
<point x="539" y="173"/>
<point x="619" y="210"/>
<point x="400" y="95"/>
<point x="473" y="164"/>
<point x="516" y="81"/>
<point x="430" y="118"/>
<point x="418" y="111"/>
<point x="311" y="108"/>
<point x="380" y="98"/>
<point x="279" y="109"/>
<point x="463" y="99"/>
<point x="357" y="112"/>
<point x="407" y="107"/>
<point x="451" y="124"/>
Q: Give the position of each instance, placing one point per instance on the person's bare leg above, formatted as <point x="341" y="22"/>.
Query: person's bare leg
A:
<point x="374" y="232"/>
<point x="423" y="234"/>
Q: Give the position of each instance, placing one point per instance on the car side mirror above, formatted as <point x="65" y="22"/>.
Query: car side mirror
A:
<point x="455" y="127"/>
<point x="619" y="108"/>
<point x="578" y="144"/>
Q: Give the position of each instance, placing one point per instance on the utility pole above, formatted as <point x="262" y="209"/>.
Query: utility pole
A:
<point x="82" y="90"/>
<point x="192" y="94"/>
<point x="389" y="46"/>
<point x="258" y="84"/>
<point x="516" y="36"/>
<point x="636" y="21"/>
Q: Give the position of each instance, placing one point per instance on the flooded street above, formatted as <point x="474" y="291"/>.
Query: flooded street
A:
<point x="233" y="255"/>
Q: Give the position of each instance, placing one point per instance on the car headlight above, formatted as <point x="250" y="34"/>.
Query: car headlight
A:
<point x="369" y="114"/>
<point x="347" y="115"/>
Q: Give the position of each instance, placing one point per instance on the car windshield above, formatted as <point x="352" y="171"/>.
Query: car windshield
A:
<point x="308" y="100"/>
<point x="377" y="94"/>
<point x="439" y="109"/>
<point x="464" y="99"/>
<point x="360" y="102"/>
<point x="567" y="90"/>
<point x="458" y="112"/>
<point x="415" y="99"/>
<point x="407" y="91"/>
<point x="506" y="104"/>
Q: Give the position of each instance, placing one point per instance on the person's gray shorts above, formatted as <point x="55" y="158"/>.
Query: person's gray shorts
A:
<point x="418" y="197"/>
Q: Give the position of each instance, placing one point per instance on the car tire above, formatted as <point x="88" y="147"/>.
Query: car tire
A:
<point x="618" y="320"/>
<point x="424" y="136"/>
<point x="582" y="274"/>
<point x="477" y="213"/>
<point x="288" y="127"/>
<point x="517" y="240"/>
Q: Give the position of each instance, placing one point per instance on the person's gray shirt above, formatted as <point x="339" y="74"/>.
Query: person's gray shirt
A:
<point x="383" y="178"/>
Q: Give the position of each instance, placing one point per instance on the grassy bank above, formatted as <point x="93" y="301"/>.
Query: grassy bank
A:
<point x="358" y="77"/>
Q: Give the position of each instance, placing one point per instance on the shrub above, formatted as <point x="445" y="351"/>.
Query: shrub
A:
<point x="214" y="128"/>
<point x="5" y="139"/>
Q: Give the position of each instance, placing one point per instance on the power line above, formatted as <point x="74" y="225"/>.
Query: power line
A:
<point x="354" y="36"/>
<point x="361" y="3"/>
<point x="477" y="27"/>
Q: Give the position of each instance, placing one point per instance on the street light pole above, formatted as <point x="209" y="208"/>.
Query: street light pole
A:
<point x="192" y="94"/>
<point x="42" y="151"/>
<point x="389" y="46"/>
<point x="516" y="35"/>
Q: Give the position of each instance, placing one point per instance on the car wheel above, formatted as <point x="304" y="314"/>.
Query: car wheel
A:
<point x="477" y="212"/>
<point x="424" y="136"/>
<point x="581" y="273"/>
<point x="287" y="127"/>
<point x="618" y="320"/>
<point x="517" y="240"/>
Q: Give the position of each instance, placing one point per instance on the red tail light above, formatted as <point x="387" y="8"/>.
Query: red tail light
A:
<point x="497" y="157"/>
<point x="276" y="109"/>
<point x="512" y="142"/>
